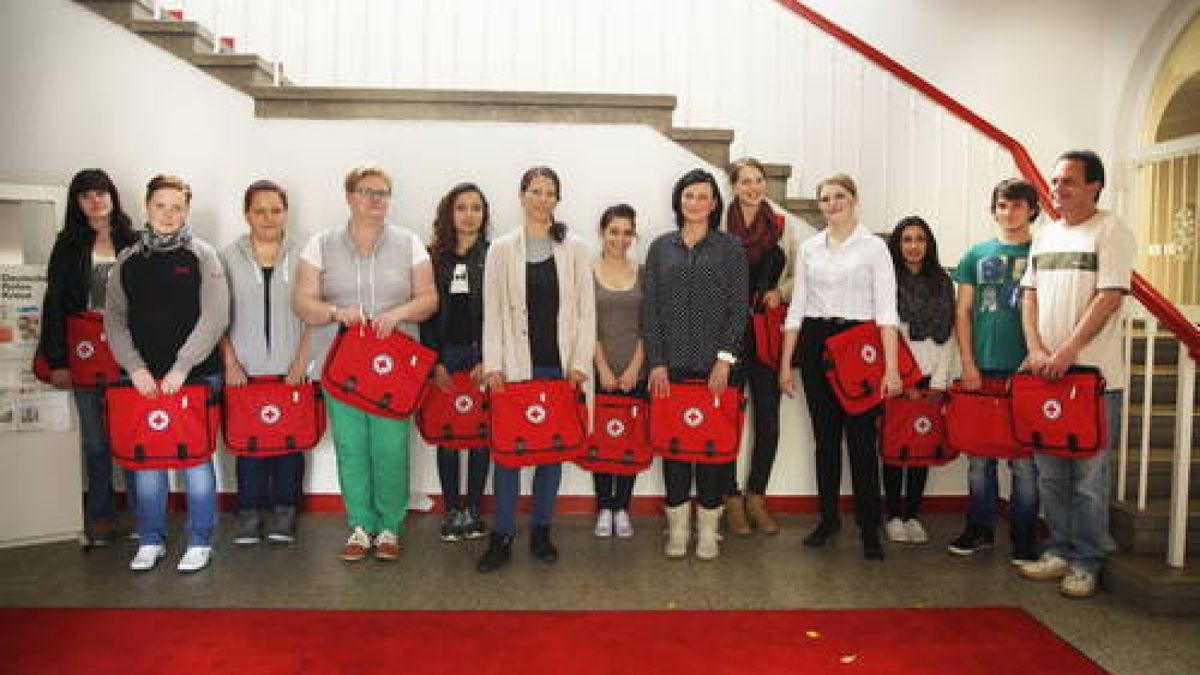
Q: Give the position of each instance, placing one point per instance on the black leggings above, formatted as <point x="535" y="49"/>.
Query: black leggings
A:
<point x="710" y="482"/>
<point x="763" y="387"/>
<point x="907" y="480"/>
<point x="829" y="422"/>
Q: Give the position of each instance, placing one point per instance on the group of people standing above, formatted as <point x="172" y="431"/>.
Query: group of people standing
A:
<point x="533" y="303"/>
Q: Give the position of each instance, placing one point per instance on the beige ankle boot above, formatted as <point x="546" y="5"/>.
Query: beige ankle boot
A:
<point x="756" y="509"/>
<point x="735" y="515"/>
<point x="707" y="538"/>
<point x="679" y="530"/>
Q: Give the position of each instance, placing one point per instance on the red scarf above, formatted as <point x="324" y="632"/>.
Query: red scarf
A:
<point x="763" y="233"/>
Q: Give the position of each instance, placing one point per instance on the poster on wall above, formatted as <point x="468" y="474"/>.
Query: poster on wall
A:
<point x="25" y="403"/>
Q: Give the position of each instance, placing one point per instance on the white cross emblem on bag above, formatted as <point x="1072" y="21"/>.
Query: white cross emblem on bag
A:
<point x="1052" y="409"/>
<point x="922" y="425"/>
<point x="693" y="417"/>
<point x="85" y="350"/>
<point x="382" y="364"/>
<point x="536" y="414"/>
<point x="615" y="428"/>
<point x="270" y="414"/>
<point x="158" y="419"/>
<point x="869" y="354"/>
<point x="463" y="404"/>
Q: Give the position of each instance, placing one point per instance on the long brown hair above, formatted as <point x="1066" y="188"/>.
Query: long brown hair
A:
<point x="445" y="239"/>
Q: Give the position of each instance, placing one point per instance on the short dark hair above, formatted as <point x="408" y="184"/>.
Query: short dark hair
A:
<point x="1015" y="189"/>
<point x="263" y="186"/>
<point x="618" y="211"/>
<point x="558" y="231"/>
<point x="691" y="178"/>
<point x="1093" y="167"/>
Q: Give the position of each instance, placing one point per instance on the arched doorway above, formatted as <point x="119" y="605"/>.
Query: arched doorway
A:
<point x="1168" y="173"/>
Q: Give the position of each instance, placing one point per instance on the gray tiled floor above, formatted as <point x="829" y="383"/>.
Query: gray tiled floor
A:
<point x="753" y="572"/>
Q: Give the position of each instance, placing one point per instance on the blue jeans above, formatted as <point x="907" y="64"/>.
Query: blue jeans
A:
<point x="266" y="482"/>
<point x="1075" y="496"/>
<point x="200" y="484"/>
<point x="985" y="489"/>
<point x="93" y="435"/>
<point x="506" y="484"/>
<point x="458" y="358"/>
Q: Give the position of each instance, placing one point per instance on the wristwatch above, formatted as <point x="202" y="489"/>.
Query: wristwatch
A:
<point x="727" y="357"/>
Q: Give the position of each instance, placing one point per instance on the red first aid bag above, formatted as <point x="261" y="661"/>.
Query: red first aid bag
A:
<point x="854" y="366"/>
<point x="456" y="419"/>
<point x="979" y="421"/>
<point x="912" y="433"/>
<point x="164" y="432"/>
<point x="767" y="324"/>
<point x="536" y="422"/>
<point x="693" y="425"/>
<point x="40" y="367"/>
<point x="383" y="377"/>
<point x="267" y="417"/>
<point x="88" y="356"/>
<point x="619" y="442"/>
<point x="1060" y="417"/>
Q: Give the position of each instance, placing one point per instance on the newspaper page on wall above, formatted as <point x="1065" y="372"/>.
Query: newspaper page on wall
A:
<point x="25" y="403"/>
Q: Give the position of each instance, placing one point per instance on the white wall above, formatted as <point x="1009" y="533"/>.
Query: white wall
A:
<point x="96" y="96"/>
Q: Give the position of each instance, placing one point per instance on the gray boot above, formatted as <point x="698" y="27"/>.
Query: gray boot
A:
<point x="283" y="526"/>
<point x="707" y="538"/>
<point x="246" y="532"/>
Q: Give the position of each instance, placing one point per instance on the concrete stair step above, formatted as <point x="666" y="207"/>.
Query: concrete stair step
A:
<point x="1159" y="473"/>
<point x="807" y="210"/>
<point x="240" y="71"/>
<point x="1146" y="531"/>
<point x="711" y="145"/>
<point x="1162" y="426"/>
<point x="1145" y="580"/>
<point x="1164" y="385"/>
<point x="120" y="11"/>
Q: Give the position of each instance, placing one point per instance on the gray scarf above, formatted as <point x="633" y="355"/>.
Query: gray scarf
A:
<point x="154" y="242"/>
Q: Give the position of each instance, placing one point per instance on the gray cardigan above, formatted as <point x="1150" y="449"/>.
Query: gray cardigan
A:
<point x="246" y="318"/>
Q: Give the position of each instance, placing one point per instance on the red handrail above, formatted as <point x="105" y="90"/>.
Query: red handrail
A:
<point x="1162" y="308"/>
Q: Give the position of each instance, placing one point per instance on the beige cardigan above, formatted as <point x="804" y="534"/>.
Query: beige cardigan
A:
<point x="506" y="317"/>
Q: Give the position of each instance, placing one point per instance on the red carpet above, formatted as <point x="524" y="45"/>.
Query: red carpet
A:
<point x="233" y="642"/>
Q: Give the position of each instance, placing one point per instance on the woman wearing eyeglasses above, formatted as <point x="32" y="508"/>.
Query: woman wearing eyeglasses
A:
<point x="374" y="272"/>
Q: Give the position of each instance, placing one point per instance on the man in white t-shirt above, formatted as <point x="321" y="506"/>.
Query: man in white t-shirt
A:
<point x="1077" y="278"/>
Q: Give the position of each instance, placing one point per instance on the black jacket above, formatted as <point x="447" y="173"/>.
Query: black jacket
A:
<point x="68" y="275"/>
<point x="435" y="328"/>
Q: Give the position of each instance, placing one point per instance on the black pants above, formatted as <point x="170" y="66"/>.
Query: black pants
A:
<point x="613" y="491"/>
<point x="909" y="481"/>
<point x="711" y="480"/>
<point x="449" y="472"/>
<point x="830" y="422"/>
<point x="763" y="387"/>
<point x="267" y="482"/>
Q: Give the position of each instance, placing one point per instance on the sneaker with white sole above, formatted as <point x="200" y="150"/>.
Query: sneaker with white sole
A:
<point x="1079" y="583"/>
<point x="387" y="546"/>
<point x="147" y="557"/>
<point x="622" y="526"/>
<point x="357" y="546"/>
<point x="194" y="559"/>
<point x="604" y="523"/>
<point x="915" y="531"/>
<point x="894" y="528"/>
<point x="1049" y="566"/>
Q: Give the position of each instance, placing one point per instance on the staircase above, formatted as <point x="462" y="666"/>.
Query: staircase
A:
<point x="255" y="77"/>
<point x="1138" y="571"/>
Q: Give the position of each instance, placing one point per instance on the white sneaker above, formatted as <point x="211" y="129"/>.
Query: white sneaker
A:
<point x="623" y="527"/>
<point x="1079" y="583"/>
<point x="1049" y="566"/>
<point x="895" y="530"/>
<point x="604" y="523"/>
<point x="194" y="559"/>
<point x="147" y="557"/>
<point x="915" y="531"/>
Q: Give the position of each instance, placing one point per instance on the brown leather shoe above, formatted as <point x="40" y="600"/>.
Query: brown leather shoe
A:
<point x="356" y="546"/>
<point x="387" y="546"/>
<point x="756" y="509"/>
<point x="735" y="515"/>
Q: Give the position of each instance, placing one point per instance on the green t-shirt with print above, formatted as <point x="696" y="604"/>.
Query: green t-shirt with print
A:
<point x="995" y="270"/>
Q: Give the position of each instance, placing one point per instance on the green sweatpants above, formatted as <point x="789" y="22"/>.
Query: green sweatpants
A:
<point x="372" y="462"/>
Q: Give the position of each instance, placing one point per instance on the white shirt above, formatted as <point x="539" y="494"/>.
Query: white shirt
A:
<point x="857" y="281"/>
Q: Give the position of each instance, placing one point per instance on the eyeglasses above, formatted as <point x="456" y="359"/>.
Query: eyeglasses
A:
<point x="368" y="193"/>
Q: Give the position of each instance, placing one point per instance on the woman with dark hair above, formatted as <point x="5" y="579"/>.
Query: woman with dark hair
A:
<point x="265" y="338"/>
<point x="844" y="276"/>
<point x="368" y="273"/>
<point x="94" y="232"/>
<point x="925" y="301"/>
<point x="541" y="323"/>
<point x="620" y="354"/>
<point x="167" y="307"/>
<point x="458" y="251"/>
<point x="694" y="318"/>
<point x="769" y="246"/>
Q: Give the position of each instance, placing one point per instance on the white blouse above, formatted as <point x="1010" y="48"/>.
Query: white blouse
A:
<point x="857" y="281"/>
